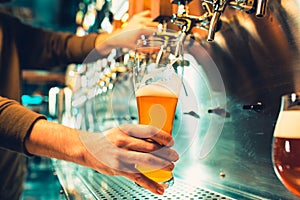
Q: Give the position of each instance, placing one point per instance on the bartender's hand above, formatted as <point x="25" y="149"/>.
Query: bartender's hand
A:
<point x="114" y="152"/>
<point x="139" y="24"/>
<point x="118" y="150"/>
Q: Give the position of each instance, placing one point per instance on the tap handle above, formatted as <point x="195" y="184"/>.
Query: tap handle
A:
<point x="214" y="26"/>
<point x="215" y="23"/>
<point x="261" y="8"/>
<point x="183" y="22"/>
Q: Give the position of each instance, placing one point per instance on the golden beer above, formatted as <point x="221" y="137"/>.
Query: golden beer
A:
<point x="156" y="107"/>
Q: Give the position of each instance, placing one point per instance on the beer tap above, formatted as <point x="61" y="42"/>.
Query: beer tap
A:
<point x="250" y="6"/>
<point x="219" y="7"/>
<point x="210" y="20"/>
<point x="261" y="8"/>
<point x="186" y="22"/>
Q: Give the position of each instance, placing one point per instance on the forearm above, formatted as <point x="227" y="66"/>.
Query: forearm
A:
<point x="103" y="44"/>
<point x="56" y="141"/>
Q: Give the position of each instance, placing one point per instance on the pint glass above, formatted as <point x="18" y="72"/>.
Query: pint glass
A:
<point x="157" y="88"/>
<point x="286" y="143"/>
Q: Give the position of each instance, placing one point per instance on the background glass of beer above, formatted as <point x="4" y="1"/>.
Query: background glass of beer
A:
<point x="157" y="87"/>
<point x="286" y="143"/>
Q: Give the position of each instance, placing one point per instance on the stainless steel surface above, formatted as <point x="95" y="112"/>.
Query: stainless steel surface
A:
<point x="259" y="61"/>
<point x="83" y="183"/>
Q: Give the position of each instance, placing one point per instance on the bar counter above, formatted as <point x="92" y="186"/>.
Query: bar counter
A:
<point x="79" y="182"/>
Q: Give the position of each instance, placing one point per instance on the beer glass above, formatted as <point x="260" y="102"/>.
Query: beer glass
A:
<point x="286" y="143"/>
<point x="157" y="87"/>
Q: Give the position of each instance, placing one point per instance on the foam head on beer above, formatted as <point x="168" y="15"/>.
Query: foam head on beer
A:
<point x="288" y="124"/>
<point x="156" y="89"/>
<point x="165" y="77"/>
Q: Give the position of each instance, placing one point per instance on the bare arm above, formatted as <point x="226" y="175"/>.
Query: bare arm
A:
<point x="55" y="141"/>
<point x="120" y="149"/>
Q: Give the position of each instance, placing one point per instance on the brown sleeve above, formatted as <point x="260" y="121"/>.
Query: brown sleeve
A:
<point x="40" y="48"/>
<point x="16" y="123"/>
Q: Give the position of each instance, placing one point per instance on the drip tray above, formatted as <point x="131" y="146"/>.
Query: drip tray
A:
<point x="117" y="188"/>
<point x="83" y="183"/>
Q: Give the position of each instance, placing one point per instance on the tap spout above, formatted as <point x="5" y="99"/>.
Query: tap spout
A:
<point x="261" y="8"/>
<point x="219" y="7"/>
<point x="213" y="26"/>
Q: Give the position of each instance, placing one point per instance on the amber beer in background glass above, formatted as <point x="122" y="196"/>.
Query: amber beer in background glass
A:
<point x="157" y="88"/>
<point x="286" y="143"/>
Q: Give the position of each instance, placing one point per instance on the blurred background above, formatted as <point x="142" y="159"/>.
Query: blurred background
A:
<point x="60" y="15"/>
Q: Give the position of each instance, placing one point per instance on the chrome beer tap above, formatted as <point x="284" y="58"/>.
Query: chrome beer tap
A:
<point x="250" y="6"/>
<point x="218" y="8"/>
<point x="261" y="8"/>
<point x="210" y="20"/>
<point x="186" y="22"/>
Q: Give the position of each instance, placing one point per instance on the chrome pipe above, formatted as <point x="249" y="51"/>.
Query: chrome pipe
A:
<point x="213" y="26"/>
<point x="261" y="8"/>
